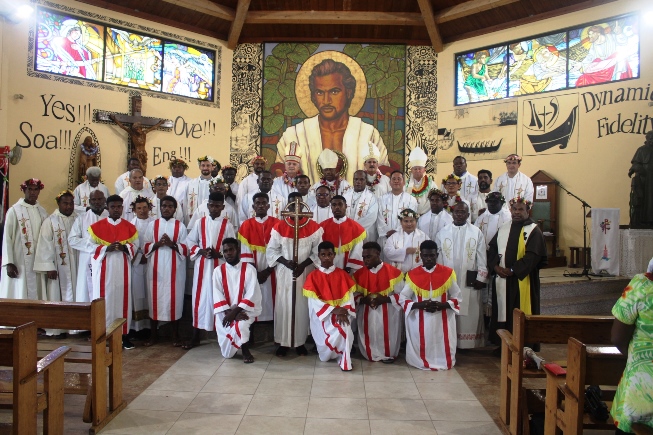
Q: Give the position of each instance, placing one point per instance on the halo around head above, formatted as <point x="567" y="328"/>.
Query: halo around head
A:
<point x="303" y="93"/>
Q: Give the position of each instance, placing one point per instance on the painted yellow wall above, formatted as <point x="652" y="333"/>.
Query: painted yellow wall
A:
<point x="598" y="172"/>
<point x="51" y="165"/>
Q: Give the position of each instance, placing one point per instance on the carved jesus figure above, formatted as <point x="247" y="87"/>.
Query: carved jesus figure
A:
<point x="88" y="155"/>
<point x="138" y="135"/>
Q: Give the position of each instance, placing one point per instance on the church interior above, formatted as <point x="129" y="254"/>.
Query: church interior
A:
<point x="229" y="79"/>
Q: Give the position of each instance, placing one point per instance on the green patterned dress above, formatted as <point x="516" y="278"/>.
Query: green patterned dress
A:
<point x="633" y="401"/>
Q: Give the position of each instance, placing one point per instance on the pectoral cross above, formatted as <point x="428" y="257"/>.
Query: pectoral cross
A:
<point x="293" y="211"/>
<point x="137" y="127"/>
<point x="519" y="191"/>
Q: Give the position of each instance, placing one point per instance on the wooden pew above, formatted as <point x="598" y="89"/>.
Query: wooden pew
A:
<point x="18" y="350"/>
<point x="104" y="352"/>
<point x="538" y="329"/>
<point x="586" y="365"/>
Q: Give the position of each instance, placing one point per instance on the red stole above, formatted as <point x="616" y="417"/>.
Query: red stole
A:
<point x="256" y="235"/>
<point x="332" y="289"/>
<point x="381" y="282"/>
<point x="430" y="285"/>
<point x="103" y="233"/>
<point x="344" y="236"/>
<point x="241" y="284"/>
<point x="285" y="228"/>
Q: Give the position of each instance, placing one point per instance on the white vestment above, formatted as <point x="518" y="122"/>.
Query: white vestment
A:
<point x="394" y="250"/>
<point x="82" y="195"/>
<point x="280" y="187"/>
<point x="112" y="279"/>
<point x="258" y="258"/>
<point x="140" y="300"/>
<point x="129" y="195"/>
<point x="430" y="337"/>
<point x="78" y="240"/>
<point x="166" y="269"/>
<point x="177" y="188"/>
<point x="197" y="191"/>
<point x="355" y="145"/>
<point x="423" y="204"/>
<point x="320" y="214"/>
<point x="280" y="246"/>
<point x="519" y="185"/>
<point x="468" y="185"/>
<point x="235" y="286"/>
<point x="21" y="235"/>
<point x="363" y="207"/>
<point x="206" y="233"/>
<point x="490" y="223"/>
<point x="379" y="330"/>
<point x="247" y="185"/>
<point x="122" y="182"/>
<point x="462" y="248"/>
<point x="333" y="340"/>
<point x="379" y="189"/>
<point x="476" y="204"/>
<point x="389" y="207"/>
<point x="54" y="254"/>
<point x="431" y="223"/>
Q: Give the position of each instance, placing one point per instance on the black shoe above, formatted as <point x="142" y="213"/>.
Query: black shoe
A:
<point x="127" y="345"/>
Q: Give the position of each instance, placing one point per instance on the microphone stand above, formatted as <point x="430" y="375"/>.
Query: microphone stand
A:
<point x="586" y="271"/>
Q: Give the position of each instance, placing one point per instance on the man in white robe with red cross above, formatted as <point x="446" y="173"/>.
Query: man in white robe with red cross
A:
<point x="236" y="301"/>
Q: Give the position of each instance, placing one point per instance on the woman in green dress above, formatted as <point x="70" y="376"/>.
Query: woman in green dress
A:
<point x="632" y="333"/>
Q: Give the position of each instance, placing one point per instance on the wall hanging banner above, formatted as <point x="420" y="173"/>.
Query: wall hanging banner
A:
<point x="605" y="240"/>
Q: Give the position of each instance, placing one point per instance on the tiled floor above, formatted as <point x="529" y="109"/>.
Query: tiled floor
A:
<point x="203" y="393"/>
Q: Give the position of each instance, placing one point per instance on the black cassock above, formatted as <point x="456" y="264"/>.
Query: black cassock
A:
<point x="529" y="265"/>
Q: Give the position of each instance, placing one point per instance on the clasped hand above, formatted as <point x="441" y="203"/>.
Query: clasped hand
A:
<point x="234" y="313"/>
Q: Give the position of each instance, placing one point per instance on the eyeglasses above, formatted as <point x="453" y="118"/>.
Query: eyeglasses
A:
<point x="322" y="194"/>
<point x="451" y="183"/>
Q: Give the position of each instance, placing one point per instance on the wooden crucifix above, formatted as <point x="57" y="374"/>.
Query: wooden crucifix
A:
<point x="137" y="127"/>
<point x="293" y="211"/>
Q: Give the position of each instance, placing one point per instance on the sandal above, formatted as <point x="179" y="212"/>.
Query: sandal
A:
<point x="281" y="351"/>
<point x="301" y="350"/>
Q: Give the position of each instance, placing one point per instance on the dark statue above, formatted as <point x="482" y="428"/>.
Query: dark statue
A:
<point x="641" y="190"/>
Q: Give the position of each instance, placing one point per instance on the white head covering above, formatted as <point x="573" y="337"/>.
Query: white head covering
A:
<point x="649" y="269"/>
<point x="292" y="154"/>
<point x="417" y="157"/>
<point x="328" y="159"/>
<point x="372" y="152"/>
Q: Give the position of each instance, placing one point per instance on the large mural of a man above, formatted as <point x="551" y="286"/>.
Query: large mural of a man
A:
<point x="332" y="90"/>
<point x="327" y="102"/>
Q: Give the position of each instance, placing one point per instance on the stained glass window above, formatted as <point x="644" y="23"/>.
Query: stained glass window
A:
<point x="188" y="71"/>
<point x="481" y="75"/>
<point x="603" y="52"/>
<point x="538" y="64"/>
<point x="132" y="60"/>
<point x="68" y="46"/>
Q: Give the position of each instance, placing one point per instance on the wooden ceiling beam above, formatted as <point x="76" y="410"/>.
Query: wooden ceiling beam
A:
<point x="469" y="8"/>
<point x="402" y="41"/>
<point x="527" y="20"/>
<point x="431" y="26"/>
<point x="206" y="7"/>
<point x="336" y="17"/>
<point x="237" y="23"/>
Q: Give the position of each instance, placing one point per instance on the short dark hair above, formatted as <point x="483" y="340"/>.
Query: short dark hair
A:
<point x="172" y="199"/>
<point x="396" y="171"/>
<point x="231" y="241"/>
<point x="372" y="245"/>
<point x="216" y="196"/>
<point x="340" y="197"/>
<point x="63" y="195"/>
<point x="264" y="172"/>
<point x="114" y="198"/>
<point x="260" y="195"/>
<point x="131" y="159"/>
<point x="319" y="187"/>
<point x="292" y="195"/>
<point x="428" y="244"/>
<point x="328" y="67"/>
<point x="460" y="157"/>
<point x="228" y="168"/>
<point x="303" y="176"/>
<point x="485" y="171"/>
<point x="326" y="245"/>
